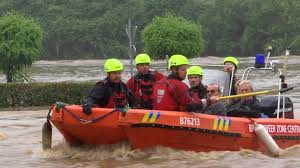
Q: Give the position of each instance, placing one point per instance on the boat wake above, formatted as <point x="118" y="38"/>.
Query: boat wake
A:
<point x="122" y="152"/>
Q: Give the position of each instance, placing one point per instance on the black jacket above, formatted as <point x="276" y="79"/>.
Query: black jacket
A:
<point x="102" y="91"/>
<point x="218" y="108"/>
<point x="250" y="108"/>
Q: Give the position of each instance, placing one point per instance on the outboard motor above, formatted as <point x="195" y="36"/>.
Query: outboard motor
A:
<point x="269" y="105"/>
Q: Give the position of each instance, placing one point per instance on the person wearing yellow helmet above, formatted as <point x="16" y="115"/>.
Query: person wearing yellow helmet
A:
<point x="110" y="92"/>
<point x="178" y="65"/>
<point x="197" y="88"/>
<point x="172" y="94"/>
<point x="142" y="82"/>
<point x="231" y="65"/>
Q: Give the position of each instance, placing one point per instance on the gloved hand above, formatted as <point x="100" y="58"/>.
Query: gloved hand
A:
<point x="87" y="107"/>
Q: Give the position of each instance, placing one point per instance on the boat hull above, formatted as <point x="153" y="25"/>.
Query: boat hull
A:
<point x="105" y="131"/>
<point x="187" y="131"/>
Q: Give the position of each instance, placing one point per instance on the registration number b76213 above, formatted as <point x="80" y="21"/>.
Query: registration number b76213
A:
<point x="189" y="121"/>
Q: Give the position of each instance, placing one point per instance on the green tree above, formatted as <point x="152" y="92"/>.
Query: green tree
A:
<point x="92" y="28"/>
<point x="20" y="43"/>
<point x="170" y="35"/>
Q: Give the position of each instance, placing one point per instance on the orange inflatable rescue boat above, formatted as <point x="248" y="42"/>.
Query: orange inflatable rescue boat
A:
<point x="181" y="130"/>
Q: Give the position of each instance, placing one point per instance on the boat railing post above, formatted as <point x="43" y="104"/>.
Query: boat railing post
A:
<point x="249" y="73"/>
<point x="279" y="95"/>
<point x="283" y="105"/>
<point x="269" y="53"/>
<point x="283" y="85"/>
<point x="245" y="72"/>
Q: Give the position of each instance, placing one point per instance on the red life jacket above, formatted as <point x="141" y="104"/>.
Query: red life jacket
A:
<point x="144" y="90"/>
<point x="194" y="94"/>
<point x="163" y="96"/>
<point x="115" y="98"/>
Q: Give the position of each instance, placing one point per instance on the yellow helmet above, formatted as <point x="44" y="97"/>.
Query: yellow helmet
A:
<point x="195" y="70"/>
<point x="142" y="59"/>
<point x="232" y="60"/>
<point x="112" y="65"/>
<point x="177" y="60"/>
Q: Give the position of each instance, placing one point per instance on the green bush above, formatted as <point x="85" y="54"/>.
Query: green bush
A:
<point x="170" y="35"/>
<point x="42" y="94"/>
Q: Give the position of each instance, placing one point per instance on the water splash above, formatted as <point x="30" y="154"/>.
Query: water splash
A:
<point x="123" y="152"/>
<point x="120" y="151"/>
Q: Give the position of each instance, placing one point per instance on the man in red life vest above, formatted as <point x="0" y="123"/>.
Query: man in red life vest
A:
<point x="172" y="94"/>
<point x="142" y="83"/>
<point x="111" y="92"/>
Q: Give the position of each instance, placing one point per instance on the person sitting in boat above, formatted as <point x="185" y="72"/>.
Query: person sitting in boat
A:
<point x="142" y="83"/>
<point x="197" y="88"/>
<point x="245" y="106"/>
<point x="111" y="92"/>
<point x="218" y="108"/>
<point x="230" y="66"/>
<point x="172" y="94"/>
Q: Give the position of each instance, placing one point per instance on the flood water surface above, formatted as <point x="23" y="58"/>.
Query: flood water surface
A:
<point x="20" y="131"/>
<point x="20" y="147"/>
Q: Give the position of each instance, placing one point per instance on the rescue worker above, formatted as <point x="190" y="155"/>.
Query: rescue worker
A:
<point x="142" y="83"/>
<point x="197" y="89"/>
<point x="230" y="66"/>
<point x="218" y="108"/>
<point x="246" y="106"/>
<point x="111" y="92"/>
<point x="172" y="94"/>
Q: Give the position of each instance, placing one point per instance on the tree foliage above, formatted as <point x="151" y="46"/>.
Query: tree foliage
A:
<point x="20" y="43"/>
<point x="95" y="29"/>
<point x="170" y="35"/>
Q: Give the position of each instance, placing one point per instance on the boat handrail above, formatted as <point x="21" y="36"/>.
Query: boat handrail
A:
<point x="275" y="70"/>
<point x="249" y="69"/>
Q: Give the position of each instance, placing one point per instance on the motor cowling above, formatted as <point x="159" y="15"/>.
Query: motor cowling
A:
<point x="268" y="105"/>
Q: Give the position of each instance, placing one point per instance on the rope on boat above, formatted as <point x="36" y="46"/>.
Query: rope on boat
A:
<point x="60" y="105"/>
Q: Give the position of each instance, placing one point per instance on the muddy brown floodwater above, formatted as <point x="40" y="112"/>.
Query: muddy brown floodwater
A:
<point x="20" y="131"/>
